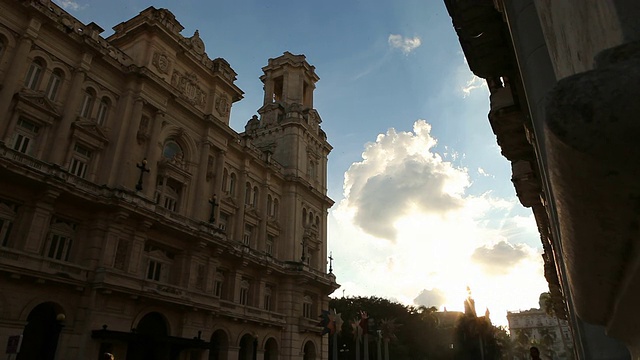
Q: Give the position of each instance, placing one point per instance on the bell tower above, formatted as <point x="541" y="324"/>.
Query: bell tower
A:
<point x="289" y="127"/>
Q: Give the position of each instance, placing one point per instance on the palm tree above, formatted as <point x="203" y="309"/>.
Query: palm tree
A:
<point x="546" y="304"/>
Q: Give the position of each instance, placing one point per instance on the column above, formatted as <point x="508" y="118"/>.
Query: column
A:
<point x="13" y="79"/>
<point x="289" y="218"/>
<point x="154" y="152"/>
<point x="264" y="216"/>
<point x="34" y="230"/>
<point x="59" y="145"/>
<point x="217" y="187"/>
<point x="128" y="164"/>
<point x="268" y="90"/>
<point x="239" y="217"/>
<point x="200" y="204"/>
<point x="137" y="248"/>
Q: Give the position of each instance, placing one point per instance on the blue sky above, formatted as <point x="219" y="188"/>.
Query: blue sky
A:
<point x="442" y="213"/>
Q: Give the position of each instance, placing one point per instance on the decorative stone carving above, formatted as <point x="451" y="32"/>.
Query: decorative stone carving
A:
<point x="197" y="43"/>
<point x="161" y="62"/>
<point x="222" y="105"/>
<point x="189" y="88"/>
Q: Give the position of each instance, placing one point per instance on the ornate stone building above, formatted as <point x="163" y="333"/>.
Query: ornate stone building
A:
<point x="133" y="219"/>
<point x="564" y="78"/>
<point x="534" y="327"/>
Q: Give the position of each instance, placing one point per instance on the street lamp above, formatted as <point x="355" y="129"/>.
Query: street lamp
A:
<point x="344" y="352"/>
<point x="143" y="169"/>
<point x="213" y="201"/>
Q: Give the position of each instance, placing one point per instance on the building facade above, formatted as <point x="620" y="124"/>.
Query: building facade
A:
<point x="535" y="328"/>
<point x="133" y="219"/>
<point x="563" y="78"/>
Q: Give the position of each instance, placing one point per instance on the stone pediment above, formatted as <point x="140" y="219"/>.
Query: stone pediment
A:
<point x="39" y="101"/>
<point x="228" y="199"/>
<point x="251" y="211"/>
<point x="273" y="223"/>
<point x="92" y="129"/>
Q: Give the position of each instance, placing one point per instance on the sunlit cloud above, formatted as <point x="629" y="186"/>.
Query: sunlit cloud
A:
<point x="69" y="5"/>
<point x="474" y="83"/>
<point x="406" y="45"/>
<point x="419" y="236"/>
<point x="433" y="297"/>
<point x="500" y="258"/>
<point x="399" y="175"/>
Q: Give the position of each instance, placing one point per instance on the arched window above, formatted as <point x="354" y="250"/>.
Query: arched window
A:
<point x="32" y="80"/>
<point x="275" y="208"/>
<point x="87" y="103"/>
<point x="254" y="202"/>
<point x="54" y="84"/>
<point x="172" y="150"/>
<point x="247" y="194"/>
<point x="232" y="185"/>
<point x="225" y="180"/>
<point x="103" y="110"/>
<point x="218" y="284"/>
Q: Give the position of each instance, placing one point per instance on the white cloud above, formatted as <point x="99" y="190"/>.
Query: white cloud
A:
<point x="472" y="84"/>
<point x="69" y="4"/>
<point x="408" y="224"/>
<point x="400" y="175"/>
<point x="482" y="172"/>
<point x="406" y="45"/>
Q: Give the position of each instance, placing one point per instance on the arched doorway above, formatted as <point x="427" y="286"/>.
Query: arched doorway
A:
<point x="41" y="334"/>
<point x="218" y="346"/>
<point x="309" y="351"/>
<point x="148" y="344"/>
<point x="248" y="348"/>
<point x="271" y="350"/>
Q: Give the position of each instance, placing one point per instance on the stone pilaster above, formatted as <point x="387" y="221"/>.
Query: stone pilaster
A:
<point x="70" y="112"/>
<point x="13" y="79"/>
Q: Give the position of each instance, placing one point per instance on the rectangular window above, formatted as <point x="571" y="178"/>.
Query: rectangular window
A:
<point x="80" y="161"/>
<point x="217" y="288"/>
<point x="224" y="220"/>
<point x="167" y="193"/>
<point x="154" y="270"/>
<point x="248" y="234"/>
<point x="78" y="167"/>
<point x="21" y="143"/>
<point x="26" y="132"/>
<point x="59" y="248"/>
<point x="270" y="241"/>
<point x="306" y="310"/>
